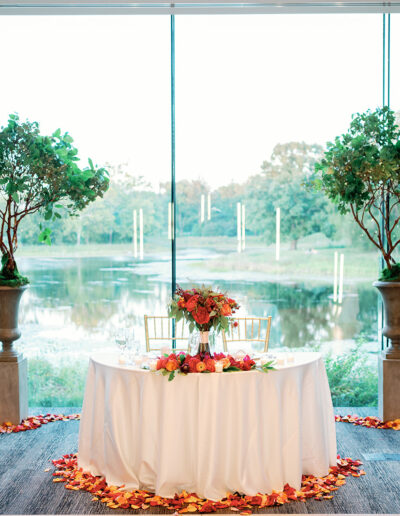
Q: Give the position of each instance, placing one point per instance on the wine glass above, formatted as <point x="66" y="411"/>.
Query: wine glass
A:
<point x="121" y="339"/>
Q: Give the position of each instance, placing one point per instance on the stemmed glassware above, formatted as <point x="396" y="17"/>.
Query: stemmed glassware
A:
<point x="121" y="339"/>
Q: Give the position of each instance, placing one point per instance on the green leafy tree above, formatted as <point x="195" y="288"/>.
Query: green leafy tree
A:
<point x="360" y="172"/>
<point x="281" y="185"/>
<point x="39" y="173"/>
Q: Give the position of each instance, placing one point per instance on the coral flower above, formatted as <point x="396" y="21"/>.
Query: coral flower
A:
<point x="191" y="303"/>
<point x="210" y="365"/>
<point x="193" y="364"/>
<point x="200" y="367"/>
<point x="161" y="363"/>
<point x="226" y="309"/>
<point x="181" y="303"/>
<point x="171" y="365"/>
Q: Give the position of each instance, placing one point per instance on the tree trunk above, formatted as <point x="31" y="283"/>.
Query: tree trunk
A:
<point x="111" y="235"/>
<point x="293" y="245"/>
<point x="78" y="237"/>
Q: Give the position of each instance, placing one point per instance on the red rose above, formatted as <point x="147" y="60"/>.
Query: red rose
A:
<point x="247" y="363"/>
<point x="210" y="364"/>
<point x="186" y="295"/>
<point x="210" y="303"/>
<point x="192" y="303"/>
<point x="162" y="362"/>
<point x="219" y="356"/>
<point x="193" y="363"/>
<point x="235" y="324"/>
<point x="226" y="309"/>
<point x="201" y="316"/>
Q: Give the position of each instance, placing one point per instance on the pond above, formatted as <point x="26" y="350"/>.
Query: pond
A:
<point x="74" y="306"/>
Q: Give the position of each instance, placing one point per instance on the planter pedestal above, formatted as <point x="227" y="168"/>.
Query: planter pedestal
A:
<point x="389" y="388"/>
<point x="13" y="367"/>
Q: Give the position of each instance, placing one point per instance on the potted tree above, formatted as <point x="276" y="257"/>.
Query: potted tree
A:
<point x="37" y="173"/>
<point x="360" y="172"/>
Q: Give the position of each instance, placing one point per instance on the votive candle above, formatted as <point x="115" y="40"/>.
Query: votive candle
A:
<point x="219" y="366"/>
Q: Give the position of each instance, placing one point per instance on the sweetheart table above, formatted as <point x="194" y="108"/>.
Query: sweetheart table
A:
<point x="247" y="431"/>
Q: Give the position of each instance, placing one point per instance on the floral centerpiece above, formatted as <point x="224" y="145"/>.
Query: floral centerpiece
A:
<point x="184" y="363"/>
<point x="203" y="308"/>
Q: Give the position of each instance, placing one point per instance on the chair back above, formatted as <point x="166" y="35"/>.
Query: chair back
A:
<point x="248" y="329"/>
<point x="159" y="333"/>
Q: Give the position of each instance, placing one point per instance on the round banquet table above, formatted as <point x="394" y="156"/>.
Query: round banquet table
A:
<point x="250" y="432"/>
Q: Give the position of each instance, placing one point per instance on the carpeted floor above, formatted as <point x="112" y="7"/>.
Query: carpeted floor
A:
<point x="25" y="487"/>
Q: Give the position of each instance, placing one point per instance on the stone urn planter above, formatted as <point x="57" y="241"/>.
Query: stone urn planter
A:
<point x="9" y="332"/>
<point x="13" y="367"/>
<point x="389" y="359"/>
<point x="390" y="292"/>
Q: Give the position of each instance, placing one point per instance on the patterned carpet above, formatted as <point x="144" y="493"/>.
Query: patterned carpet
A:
<point x="26" y="488"/>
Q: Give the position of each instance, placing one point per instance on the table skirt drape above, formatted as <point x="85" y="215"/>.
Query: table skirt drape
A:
<point x="250" y="432"/>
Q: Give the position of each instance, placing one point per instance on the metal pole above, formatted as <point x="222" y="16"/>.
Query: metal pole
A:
<point x="173" y="192"/>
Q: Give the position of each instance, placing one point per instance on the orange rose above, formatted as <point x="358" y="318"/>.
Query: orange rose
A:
<point x="226" y="309"/>
<point x="192" y="303"/>
<point x="171" y="365"/>
<point x="200" y="367"/>
<point x="181" y="303"/>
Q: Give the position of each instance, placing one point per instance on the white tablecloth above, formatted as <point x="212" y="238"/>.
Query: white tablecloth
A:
<point x="211" y="433"/>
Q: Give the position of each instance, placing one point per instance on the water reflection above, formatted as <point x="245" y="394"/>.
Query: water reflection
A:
<point x="74" y="306"/>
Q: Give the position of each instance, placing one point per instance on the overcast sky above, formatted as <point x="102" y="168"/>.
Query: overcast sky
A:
<point x="243" y="84"/>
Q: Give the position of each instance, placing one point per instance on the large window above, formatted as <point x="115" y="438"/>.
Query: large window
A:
<point x="105" y="80"/>
<point x="257" y="98"/>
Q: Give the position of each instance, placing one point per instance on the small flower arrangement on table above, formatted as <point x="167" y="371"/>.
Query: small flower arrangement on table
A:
<point x="203" y="308"/>
<point x="184" y="363"/>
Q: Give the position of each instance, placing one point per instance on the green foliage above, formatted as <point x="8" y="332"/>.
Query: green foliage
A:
<point x="56" y="386"/>
<point x="392" y="274"/>
<point x="281" y="185"/>
<point x="11" y="277"/>
<point x="40" y="174"/>
<point x="352" y="379"/>
<point x="360" y="169"/>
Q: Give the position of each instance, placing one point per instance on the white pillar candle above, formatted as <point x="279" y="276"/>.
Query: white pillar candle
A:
<point x="335" y="276"/>
<point x="153" y="365"/>
<point x="219" y="366"/>
<point x="141" y="233"/>
<point x="135" y="233"/>
<point x="239" y="226"/>
<point x="341" y="271"/>
<point x="280" y="361"/>
<point x="290" y="358"/>
<point x="278" y="234"/>
<point x="243" y="227"/>
<point x="202" y="208"/>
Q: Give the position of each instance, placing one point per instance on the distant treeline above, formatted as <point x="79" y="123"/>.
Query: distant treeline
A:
<point x="282" y="182"/>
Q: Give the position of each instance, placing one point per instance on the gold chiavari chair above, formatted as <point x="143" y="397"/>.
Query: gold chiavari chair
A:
<point x="248" y="329"/>
<point x="158" y="330"/>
